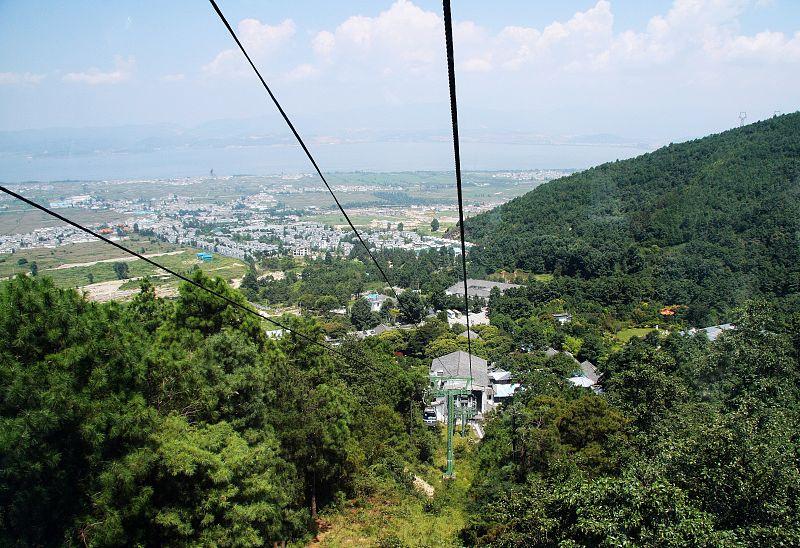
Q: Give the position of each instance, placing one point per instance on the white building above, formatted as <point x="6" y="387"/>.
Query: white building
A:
<point x="478" y="288"/>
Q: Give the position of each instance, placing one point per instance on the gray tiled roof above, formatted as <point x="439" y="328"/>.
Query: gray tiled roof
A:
<point x="456" y="364"/>
<point x="589" y="371"/>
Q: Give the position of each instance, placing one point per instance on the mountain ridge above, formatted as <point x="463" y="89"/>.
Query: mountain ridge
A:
<point x="707" y="223"/>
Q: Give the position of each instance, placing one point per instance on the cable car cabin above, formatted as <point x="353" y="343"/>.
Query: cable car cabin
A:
<point x="429" y="416"/>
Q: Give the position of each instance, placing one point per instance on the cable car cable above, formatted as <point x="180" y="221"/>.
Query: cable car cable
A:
<point x="302" y="145"/>
<point x="316" y="166"/>
<point x="177" y="275"/>
<point x="451" y="74"/>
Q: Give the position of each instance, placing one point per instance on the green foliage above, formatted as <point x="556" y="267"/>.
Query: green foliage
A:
<point x="199" y="310"/>
<point x="708" y="223"/>
<point x="533" y="333"/>
<point x="326" y="303"/>
<point x="178" y="423"/>
<point x="411" y="308"/>
<point x="694" y="443"/>
<point x="249" y="285"/>
<point x="195" y="484"/>
<point x="604" y="512"/>
<point x="361" y="315"/>
<point x="122" y="270"/>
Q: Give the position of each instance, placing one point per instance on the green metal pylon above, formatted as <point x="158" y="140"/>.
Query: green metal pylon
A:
<point x="462" y="388"/>
<point x="451" y="418"/>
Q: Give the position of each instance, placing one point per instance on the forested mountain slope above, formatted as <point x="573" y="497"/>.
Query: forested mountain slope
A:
<point x="706" y="223"/>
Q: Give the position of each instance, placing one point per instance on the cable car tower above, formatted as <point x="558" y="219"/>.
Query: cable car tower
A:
<point x="457" y="392"/>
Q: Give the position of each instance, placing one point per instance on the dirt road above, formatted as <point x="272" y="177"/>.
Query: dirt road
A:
<point x="125" y="259"/>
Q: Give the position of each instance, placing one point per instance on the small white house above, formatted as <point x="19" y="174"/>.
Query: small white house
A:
<point x="376" y="300"/>
<point x="563" y="318"/>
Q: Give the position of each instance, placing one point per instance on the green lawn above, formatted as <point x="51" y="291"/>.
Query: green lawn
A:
<point x="75" y="253"/>
<point x="625" y="335"/>
<point x="425" y="229"/>
<point x="518" y="276"/>
<point x="338" y="219"/>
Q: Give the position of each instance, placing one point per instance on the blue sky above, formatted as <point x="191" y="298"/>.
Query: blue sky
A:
<point x="658" y="70"/>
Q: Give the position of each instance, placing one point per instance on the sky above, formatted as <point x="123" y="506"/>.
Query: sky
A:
<point x="655" y="71"/>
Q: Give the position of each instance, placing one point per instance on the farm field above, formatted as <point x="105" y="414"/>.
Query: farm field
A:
<point x="19" y="220"/>
<point x="89" y="265"/>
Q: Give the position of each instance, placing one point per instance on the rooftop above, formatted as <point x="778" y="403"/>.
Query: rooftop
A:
<point x="478" y="288"/>
<point x="456" y="364"/>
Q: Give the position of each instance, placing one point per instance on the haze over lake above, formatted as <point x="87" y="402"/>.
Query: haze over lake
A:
<point x="264" y="159"/>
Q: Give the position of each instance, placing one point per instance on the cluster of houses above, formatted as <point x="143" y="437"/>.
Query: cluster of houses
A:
<point x="404" y="239"/>
<point x="489" y="386"/>
<point x="298" y="239"/>
<point x="478" y="385"/>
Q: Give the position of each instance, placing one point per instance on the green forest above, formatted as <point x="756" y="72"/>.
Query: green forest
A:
<point x="692" y="444"/>
<point x="707" y="224"/>
<point x="178" y="423"/>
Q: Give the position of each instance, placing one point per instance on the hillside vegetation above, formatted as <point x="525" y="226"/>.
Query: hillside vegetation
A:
<point x="708" y="223"/>
<point x="179" y="423"/>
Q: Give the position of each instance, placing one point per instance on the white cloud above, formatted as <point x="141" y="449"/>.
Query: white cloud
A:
<point x="766" y="46"/>
<point x="178" y="77"/>
<point x="259" y="39"/>
<point x="581" y="37"/>
<point x="12" y="78"/>
<point x="226" y="62"/>
<point x="693" y="52"/>
<point x="404" y="36"/>
<point x="408" y="39"/>
<point x="476" y="64"/>
<point x="323" y="43"/>
<point x="301" y="72"/>
<point x="94" y="76"/>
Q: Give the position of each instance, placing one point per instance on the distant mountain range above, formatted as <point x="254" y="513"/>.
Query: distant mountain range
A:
<point x="259" y="131"/>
